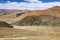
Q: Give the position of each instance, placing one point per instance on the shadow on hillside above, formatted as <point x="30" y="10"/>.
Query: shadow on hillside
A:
<point x="43" y="20"/>
<point x="5" y="25"/>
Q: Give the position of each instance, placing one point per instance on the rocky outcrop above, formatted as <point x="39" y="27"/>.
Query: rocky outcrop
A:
<point x="5" y="25"/>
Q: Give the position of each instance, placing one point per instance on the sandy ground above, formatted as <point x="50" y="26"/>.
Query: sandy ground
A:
<point x="30" y="33"/>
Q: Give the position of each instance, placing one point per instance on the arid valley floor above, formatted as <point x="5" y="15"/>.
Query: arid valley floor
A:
<point x="30" y="33"/>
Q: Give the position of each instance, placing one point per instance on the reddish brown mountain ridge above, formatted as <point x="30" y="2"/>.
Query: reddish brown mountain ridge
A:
<point x="48" y="17"/>
<point x="54" y="11"/>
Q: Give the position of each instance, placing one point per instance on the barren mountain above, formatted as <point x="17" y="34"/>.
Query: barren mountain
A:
<point x="55" y="11"/>
<point x="47" y="17"/>
<point x="11" y="14"/>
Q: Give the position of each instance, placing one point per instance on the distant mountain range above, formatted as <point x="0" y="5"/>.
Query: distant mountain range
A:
<point x="48" y="17"/>
<point x="4" y="10"/>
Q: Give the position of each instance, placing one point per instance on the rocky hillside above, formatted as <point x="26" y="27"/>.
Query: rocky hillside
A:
<point x="49" y="17"/>
<point x="42" y="20"/>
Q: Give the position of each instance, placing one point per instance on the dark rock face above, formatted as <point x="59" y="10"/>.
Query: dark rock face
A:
<point x="43" y="20"/>
<point x="19" y="14"/>
<point x="5" y="25"/>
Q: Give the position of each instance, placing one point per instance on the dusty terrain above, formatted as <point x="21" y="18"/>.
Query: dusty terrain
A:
<point x="30" y="33"/>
